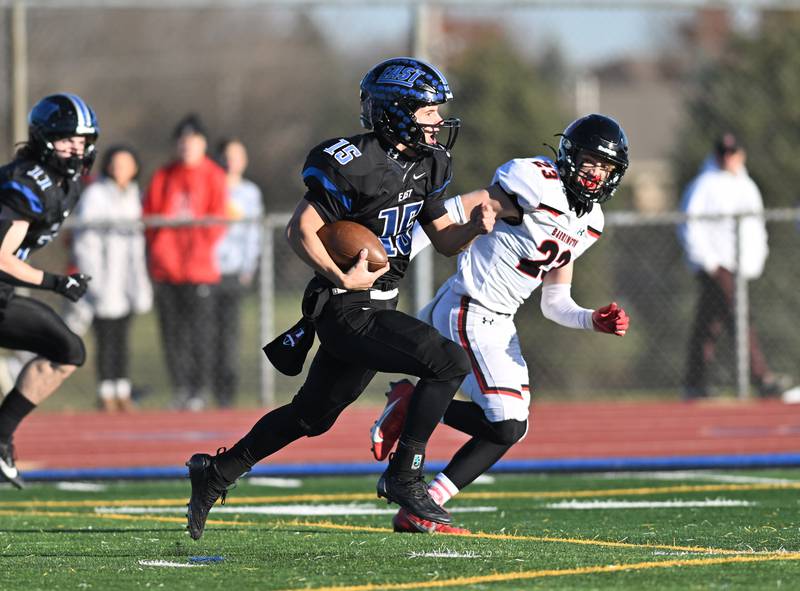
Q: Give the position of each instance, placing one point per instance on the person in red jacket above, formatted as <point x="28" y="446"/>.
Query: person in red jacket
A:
<point x="181" y="259"/>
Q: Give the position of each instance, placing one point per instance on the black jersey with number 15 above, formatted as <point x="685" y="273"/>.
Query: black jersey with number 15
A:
<point x="361" y="179"/>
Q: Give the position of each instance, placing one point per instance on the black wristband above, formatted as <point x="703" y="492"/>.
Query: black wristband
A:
<point x="49" y="281"/>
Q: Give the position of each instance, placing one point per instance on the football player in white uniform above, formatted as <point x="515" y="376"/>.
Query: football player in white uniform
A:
<point x="550" y="216"/>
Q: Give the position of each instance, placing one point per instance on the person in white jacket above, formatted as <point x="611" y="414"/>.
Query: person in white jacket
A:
<point x="114" y="255"/>
<point x="723" y="188"/>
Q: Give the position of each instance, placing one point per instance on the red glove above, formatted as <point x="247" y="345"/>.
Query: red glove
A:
<point x="611" y="319"/>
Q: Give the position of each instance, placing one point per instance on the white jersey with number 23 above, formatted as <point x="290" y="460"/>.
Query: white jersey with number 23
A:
<point x="501" y="269"/>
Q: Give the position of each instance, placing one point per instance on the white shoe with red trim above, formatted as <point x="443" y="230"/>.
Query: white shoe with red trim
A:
<point x="387" y="428"/>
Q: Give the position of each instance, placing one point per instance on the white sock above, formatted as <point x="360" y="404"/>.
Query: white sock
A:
<point x="123" y="388"/>
<point x="106" y="389"/>
<point x="442" y="489"/>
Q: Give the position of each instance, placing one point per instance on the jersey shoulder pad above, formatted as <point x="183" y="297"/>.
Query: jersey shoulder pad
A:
<point x="22" y="186"/>
<point x="347" y="157"/>
<point x="441" y="172"/>
<point x="528" y="179"/>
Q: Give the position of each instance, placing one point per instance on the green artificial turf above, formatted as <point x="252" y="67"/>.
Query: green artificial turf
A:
<point x="56" y="539"/>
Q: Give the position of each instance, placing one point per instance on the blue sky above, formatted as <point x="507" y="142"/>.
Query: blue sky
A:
<point x="585" y="36"/>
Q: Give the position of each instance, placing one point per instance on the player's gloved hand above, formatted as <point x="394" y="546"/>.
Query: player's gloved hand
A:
<point x="611" y="319"/>
<point x="72" y="287"/>
<point x="483" y="218"/>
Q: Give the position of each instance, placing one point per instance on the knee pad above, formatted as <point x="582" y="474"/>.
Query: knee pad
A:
<point x="309" y="424"/>
<point x="509" y="432"/>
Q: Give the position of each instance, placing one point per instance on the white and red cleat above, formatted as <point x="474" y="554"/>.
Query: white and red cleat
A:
<point x="405" y="522"/>
<point x="387" y="428"/>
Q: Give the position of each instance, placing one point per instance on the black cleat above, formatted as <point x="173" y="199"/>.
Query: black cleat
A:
<point x="8" y="469"/>
<point x="411" y="493"/>
<point x="207" y="487"/>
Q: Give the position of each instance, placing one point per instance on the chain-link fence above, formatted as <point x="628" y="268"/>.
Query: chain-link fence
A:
<point x="283" y="76"/>
<point x="638" y="262"/>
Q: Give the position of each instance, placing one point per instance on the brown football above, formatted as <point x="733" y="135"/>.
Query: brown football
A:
<point x="344" y="240"/>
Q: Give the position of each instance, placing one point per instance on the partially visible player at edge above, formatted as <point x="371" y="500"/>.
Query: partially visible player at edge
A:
<point x="385" y="179"/>
<point x="38" y="190"/>
<point x="549" y="215"/>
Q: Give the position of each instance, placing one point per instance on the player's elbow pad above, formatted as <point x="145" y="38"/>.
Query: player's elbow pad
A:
<point x="558" y="306"/>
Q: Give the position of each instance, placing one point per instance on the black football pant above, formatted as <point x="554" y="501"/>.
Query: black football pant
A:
<point x="184" y="313"/>
<point x="111" y="336"/>
<point x="226" y="321"/>
<point x="359" y="336"/>
<point x="715" y="313"/>
<point x="27" y="324"/>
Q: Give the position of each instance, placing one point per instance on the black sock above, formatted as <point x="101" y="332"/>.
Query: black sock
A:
<point x="274" y="431"/>
<point x="409" y="458"/>
<point x="428" y="404"/>
<point x="14" y="408"/>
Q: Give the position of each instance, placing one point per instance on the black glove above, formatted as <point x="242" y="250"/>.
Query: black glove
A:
<point x="71" y="287"/>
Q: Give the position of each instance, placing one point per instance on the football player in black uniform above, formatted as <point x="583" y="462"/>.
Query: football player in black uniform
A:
<point x="384" y="180"/>
<point x="38" y="190"/>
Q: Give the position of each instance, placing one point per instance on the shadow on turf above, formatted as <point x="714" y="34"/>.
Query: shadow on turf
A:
<point x="96" y="530"/>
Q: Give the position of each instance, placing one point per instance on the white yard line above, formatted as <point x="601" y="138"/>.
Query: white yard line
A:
<point x="82" y="486"/>
<point x="690" y="475"/>
<point x="301" y="510"/>
<point x="676" y="504"/>
<point x="446" y="554"/>
<point x="168" y="564"/>
<point x="274" y="482"/>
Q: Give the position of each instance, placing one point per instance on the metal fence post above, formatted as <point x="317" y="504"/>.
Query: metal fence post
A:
<point x="741" y="321"/>
<point x="421" y="31"/>
<point x="267" y="306"/>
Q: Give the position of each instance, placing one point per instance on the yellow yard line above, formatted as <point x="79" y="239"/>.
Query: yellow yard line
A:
<point x="345" y="497"/>
<point x="516" y="537"/>
<point x="122" y="517"/>
<point x="540" y="574"/>
<point x="328" y="525"/>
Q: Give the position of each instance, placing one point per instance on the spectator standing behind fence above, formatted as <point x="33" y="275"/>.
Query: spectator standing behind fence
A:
<point x="237" y="257"/>
<point x="115" y="257"/>
<point x="724" y="188"/>
<point x="182" y="260"/>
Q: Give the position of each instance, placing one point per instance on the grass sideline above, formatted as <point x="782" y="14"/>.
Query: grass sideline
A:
<point x="673" y="531"/>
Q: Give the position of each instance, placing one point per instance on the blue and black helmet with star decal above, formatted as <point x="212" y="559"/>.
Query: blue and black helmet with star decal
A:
<point x="393" y="90"/>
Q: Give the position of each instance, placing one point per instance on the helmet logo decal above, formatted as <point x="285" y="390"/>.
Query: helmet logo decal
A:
<point x="606" y="150"/>
<point x="402" y="75"/>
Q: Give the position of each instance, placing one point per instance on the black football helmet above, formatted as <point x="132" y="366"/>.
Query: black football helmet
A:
<point x="393" y="90"/>
<point x="598" y="138"/>
<point x="59" y="116"/>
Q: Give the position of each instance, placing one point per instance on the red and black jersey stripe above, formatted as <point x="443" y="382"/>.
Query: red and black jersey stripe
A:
<point x="476" y="368"/>
<point x="552" y="210"/>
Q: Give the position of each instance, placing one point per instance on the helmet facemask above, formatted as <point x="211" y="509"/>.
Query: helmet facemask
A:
<point x="581" y="185"/>
<point x="71" y="166"/>
<point x="592" y="158"/>
<point x="62" y="116"/>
